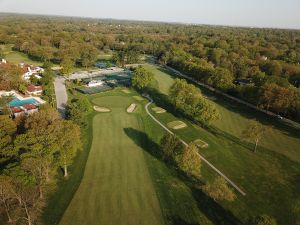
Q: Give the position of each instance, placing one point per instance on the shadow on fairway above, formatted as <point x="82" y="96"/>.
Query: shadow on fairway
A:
<point x="211" y="209"/>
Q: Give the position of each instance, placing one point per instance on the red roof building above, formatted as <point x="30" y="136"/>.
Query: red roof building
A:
<point x="30" y="108"/>
<point x="17" y="111"/>
<point x="35" y="90"/>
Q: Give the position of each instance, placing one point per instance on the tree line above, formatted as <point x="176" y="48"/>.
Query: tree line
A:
<point x="268" y="58"/>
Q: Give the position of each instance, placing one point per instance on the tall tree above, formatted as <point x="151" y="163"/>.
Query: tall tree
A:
<point x="142" y="78"/>
<point x="67" y="66"/>
<point x="189" y="161"/>
<point x="6" y="194"/>
<point x="219" y="190"/>
<point x="171" y="146"/>
<point x="69" y="142"/>
<point x="8" y="129"/>
<point x="255" y="132"/>
<point x="262" y="220"/>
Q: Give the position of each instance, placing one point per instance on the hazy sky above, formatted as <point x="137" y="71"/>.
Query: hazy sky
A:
<point x="261" y="13"/>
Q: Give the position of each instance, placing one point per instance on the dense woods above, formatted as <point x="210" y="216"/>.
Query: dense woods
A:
<point x="258" y="65"/>
<point x="32" y="151"/>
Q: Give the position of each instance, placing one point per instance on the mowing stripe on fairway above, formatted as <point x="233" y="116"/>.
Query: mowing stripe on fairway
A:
<point x="116" y="187"/>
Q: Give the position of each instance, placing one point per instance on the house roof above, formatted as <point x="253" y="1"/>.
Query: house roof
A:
<point x="16" y="109"/>
<point x="33" y="88"/>
<point x="29" y="106"/>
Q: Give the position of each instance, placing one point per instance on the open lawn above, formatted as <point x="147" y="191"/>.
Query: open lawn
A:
<point x="16" y="57"/>
<point x="270" y="178"/>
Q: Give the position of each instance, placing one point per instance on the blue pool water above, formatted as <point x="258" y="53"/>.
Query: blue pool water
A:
<point x="16" y="102"/>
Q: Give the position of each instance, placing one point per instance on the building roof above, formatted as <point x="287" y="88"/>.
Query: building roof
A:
<point x="16" y="109"/>
<point x="29" y="106"/>
<point x="33" y="88"/>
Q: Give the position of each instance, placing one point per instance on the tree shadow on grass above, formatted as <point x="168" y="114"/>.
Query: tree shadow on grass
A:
<point x="176" y="220"/>
<point x="211" y="209"/>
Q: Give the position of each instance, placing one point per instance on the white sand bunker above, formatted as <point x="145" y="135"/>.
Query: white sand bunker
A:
<point x="131" y="108"/>
<point x="176" y="125"/>
<point x="201" y="144"/>
<point x="159" y="110"/>
<point x="101" y="109"/>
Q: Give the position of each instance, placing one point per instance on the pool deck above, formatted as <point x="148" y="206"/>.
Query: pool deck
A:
<point x="20" y="97"/>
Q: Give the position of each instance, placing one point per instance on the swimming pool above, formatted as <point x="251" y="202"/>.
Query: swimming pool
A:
<point x="17" y="102"/>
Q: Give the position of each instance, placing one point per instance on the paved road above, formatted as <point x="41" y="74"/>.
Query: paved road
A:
<point x="61" y="95"/>
<point x="202" y="158"/>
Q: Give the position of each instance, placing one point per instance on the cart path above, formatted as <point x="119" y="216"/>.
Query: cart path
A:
<point x="202" y="158"/>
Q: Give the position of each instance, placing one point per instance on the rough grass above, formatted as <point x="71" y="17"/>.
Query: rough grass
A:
<point x="282" y="138"/>
<point x="158" y="110"/>
<point x="269" y="178"/>
<point x="176" y="125"/>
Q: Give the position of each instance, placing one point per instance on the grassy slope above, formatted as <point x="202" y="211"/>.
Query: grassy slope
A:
<point x="269" y="178"/>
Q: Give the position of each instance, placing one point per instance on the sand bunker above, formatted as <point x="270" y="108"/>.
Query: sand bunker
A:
<point x="176" y="125"/>
<point x="131" y="108"/>
<point x="101" y="109"/>
<point x="201" y="144"/>
<point x="159" y="110"/>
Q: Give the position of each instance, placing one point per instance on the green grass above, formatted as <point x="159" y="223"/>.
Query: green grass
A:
<point x="116" y="187"/>
<point x="269" y="177"/>
<point x="282" y="138"/>
<point x="18" y="57"/>
<point x="125" y="181"/>
<point x="138" y="98"/>
<point x="164" y="81"/>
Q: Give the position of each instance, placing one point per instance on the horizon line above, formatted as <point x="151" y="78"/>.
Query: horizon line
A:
<point x="155" y="21"/>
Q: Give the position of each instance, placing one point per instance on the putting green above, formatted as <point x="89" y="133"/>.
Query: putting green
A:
<point x="176" y="125"/>
<point x="116" y="187"/>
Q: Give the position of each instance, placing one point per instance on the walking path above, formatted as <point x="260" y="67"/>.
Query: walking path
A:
<point x="61" y="95"/>
<point x="202" y="158"/>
